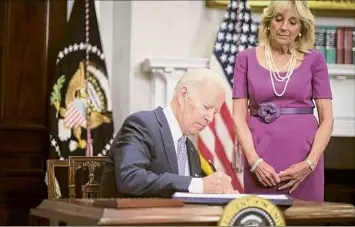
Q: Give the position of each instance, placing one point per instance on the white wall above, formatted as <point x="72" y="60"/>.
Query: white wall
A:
<point x="169" y="29"/>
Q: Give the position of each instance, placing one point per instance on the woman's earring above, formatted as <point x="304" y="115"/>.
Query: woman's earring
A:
<point x="268" y="28"/>
<point x="300" y="35"/>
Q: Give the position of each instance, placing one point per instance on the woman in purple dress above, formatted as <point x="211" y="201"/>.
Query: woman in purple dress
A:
<point x="275" y="84"/>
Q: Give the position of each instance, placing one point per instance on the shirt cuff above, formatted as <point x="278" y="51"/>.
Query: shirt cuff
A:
<point x="196" y="185"/>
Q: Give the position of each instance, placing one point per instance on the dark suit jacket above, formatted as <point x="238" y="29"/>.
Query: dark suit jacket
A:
<point x="142" y="159"/>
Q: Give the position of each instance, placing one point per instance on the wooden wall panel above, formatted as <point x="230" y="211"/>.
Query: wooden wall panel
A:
<point x="2" y="23"/>
<point x="31" y="33"/>
<point x="25" y="63"/>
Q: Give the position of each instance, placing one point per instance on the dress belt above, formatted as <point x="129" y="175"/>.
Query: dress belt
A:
<point x="288" y="110"/>
<point x="269" y="111"/>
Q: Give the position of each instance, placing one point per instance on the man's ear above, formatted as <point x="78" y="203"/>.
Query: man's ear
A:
<point x="182" y="95"/>
<point x="184" y="91"/>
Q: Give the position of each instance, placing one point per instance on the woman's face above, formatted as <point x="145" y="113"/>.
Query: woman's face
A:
<point x="285" y="26"/>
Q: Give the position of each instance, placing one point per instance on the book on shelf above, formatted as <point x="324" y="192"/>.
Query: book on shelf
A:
<point x="337" y="43"/>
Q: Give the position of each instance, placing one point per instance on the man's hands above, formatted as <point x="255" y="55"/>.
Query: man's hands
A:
<point x="218" y="182"/>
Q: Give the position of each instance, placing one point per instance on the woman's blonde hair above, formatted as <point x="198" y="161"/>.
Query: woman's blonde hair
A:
<point x="303" y="43"/>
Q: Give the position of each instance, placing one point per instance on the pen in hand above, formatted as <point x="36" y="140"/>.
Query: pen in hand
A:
<point x="212" y="166"/>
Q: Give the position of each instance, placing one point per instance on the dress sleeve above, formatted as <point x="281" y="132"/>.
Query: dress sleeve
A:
<point x="320" y="79"/>
<point x="240" y="81"/>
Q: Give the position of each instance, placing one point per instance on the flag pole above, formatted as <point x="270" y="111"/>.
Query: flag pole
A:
<point x="89" y="151"/>
<point x="237" y="162"/>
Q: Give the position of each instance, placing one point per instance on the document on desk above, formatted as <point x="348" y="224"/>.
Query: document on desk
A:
<point x="220" y="199"/>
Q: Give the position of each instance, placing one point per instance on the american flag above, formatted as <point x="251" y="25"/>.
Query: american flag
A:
<point x="236" y="33"/>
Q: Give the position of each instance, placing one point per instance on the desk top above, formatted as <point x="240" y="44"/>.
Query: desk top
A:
<point x="81" y="212"/>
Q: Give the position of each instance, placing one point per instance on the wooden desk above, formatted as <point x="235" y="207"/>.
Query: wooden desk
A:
<point x="82" y="213"/>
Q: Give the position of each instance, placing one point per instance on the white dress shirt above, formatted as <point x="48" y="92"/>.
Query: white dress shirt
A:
<point x="196" y="185"/>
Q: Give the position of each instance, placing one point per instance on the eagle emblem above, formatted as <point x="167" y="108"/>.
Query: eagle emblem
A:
<point x="87" y="104"/>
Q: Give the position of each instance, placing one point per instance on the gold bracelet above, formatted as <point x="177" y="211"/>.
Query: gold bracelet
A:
<point x="310" y="164"/>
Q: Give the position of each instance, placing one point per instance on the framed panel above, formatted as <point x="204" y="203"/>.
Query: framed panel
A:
<point x="2" y="33"/>
<point x="336" y="8"/>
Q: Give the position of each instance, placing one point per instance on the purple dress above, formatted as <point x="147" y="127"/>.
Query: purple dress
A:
<point x="288" y="139"/>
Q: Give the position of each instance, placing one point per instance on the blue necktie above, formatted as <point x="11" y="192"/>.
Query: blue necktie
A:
<point x="182" y="155"/>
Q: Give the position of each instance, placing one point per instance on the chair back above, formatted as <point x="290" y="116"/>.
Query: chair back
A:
<point x="54" y="186"/>
<point x="93" y="167"/>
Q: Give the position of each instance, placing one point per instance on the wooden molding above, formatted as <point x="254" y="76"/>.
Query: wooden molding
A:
<point x="318" y="8"/>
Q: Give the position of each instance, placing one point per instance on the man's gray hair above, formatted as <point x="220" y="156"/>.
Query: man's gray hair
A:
<point x="197" y="77"/>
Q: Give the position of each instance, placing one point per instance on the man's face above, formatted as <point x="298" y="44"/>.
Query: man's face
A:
<point x="199" y="106"/>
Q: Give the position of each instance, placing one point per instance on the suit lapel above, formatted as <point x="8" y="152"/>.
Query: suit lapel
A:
<point x="167" y="140"/>
<point x="194" y="159"/>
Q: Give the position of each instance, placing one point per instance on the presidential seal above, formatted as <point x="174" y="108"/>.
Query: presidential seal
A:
<point x="251" y="211"/>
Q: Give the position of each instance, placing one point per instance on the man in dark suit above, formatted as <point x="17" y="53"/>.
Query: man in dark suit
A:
<point x="151" y="154"/>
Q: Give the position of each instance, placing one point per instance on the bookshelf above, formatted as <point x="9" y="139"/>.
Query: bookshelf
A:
<point x="342" y="70"/>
